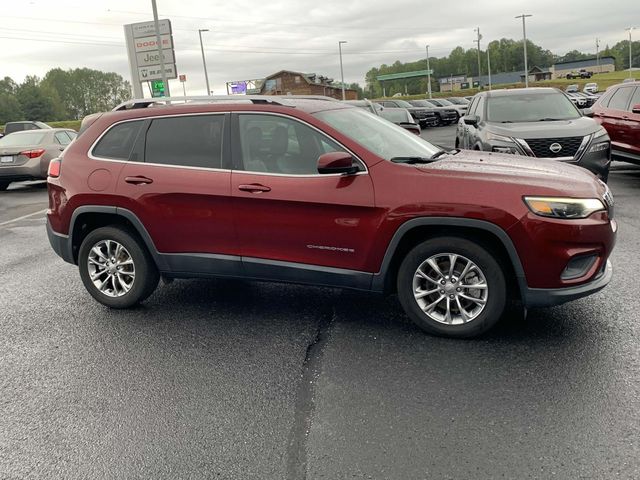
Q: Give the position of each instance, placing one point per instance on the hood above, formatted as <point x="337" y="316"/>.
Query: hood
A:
<point x="578" y="127"/>
<point x="539" y="176"/>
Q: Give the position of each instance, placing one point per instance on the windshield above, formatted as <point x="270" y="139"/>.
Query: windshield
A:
<point x="530" y="107"/>
<point x="444" y="102"/>
<point x="459" y="101"/>
<point x="22" y="139"/>
<point x="376" y="134"/>
<point x="421" y="103"/>
<point x="403" y="104"/>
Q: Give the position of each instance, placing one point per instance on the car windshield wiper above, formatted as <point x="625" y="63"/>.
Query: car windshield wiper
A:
<point x="438" y="154"/>
<point x="411" y="160"/>
<point x="506" y="121"/>
<point x="547" y="119"/>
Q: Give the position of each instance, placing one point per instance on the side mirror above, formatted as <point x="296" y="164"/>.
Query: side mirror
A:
<point x="636" y="108"/>
<point x="471" y="120"/>
<point x="586" y="112"/>
<point x="411" y="127"/>
<point x="336" y="162"/>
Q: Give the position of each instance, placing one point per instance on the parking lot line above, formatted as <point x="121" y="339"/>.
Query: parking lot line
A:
<point x="23" y="217"/>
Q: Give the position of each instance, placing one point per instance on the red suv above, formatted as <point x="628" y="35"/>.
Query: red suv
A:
<point x="618" y="110"/>
<point x="314" y="191"/>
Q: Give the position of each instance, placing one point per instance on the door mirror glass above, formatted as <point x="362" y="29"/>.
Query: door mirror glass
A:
<point x="471" y="120"/>
<point x="336" y="162"/>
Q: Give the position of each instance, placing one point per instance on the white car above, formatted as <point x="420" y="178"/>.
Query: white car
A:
<point x="590" y="88"/>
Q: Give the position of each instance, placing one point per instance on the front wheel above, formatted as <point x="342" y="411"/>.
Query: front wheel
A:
<point x="452" y="287"/>
<point x="116" y="268"/>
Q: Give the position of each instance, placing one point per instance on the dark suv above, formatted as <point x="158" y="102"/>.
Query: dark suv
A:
<point x="323" y="193"/>
<point x="618" y="111"/>
<point x="536" y="122"/>
<point x="423" y="116"/>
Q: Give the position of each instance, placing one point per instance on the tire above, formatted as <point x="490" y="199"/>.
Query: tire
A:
<point x="4" y="186"/>
<point x="141" y="284"/>
<point x="488" y="303"/>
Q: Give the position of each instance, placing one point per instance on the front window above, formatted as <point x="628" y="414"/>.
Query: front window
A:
<point x="530" y="107"/>
<point x="403" y="104"/>
<point x="421" y="103"/>
<point x="377" y="135"/>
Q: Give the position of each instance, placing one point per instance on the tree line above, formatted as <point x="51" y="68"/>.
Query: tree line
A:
<point x="61" y="95"/>
<point x="506" y="56"/>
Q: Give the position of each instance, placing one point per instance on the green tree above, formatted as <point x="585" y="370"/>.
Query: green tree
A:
<point x="35" y="105"/>
<point x="10" y="110"/>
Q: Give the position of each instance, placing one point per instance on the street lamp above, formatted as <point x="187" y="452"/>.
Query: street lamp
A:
<point x="428" y="74"/>
<point x="204" y="62"/>
<point x="341" y="71"/>
<point x="630" y="29"/>
<point x="524" y="36"/>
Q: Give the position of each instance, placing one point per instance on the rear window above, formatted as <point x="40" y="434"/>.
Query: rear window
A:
<point x="118" y="142"/>
<point x="22" y="139"/>
<point x="620" y="98"/>
<point x="189" y="141"/>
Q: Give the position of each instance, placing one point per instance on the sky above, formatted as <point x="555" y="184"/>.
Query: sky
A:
<point x="255" y="38"/>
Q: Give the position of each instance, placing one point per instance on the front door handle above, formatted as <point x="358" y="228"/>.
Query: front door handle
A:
<point x="138" y="180"/>
<point x="254" y="188"/>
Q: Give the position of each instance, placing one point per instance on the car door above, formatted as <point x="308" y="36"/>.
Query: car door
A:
<point x="630" y="124"/>
<point x="285" y="210"/>
<point x="611" y="116"/>
<point x="463" y="128"/>
<point x="178" y="184"/>
<point x="472" y="132"/>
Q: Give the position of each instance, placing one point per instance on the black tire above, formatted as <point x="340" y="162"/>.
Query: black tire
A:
<point x="146" y="273"/>
<point x="478" y="254"/>
<point x="4" y="186"/>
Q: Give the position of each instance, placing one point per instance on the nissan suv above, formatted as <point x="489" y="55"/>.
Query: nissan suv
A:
<point x="319" y="192"/>
<point x="535" y="122"/>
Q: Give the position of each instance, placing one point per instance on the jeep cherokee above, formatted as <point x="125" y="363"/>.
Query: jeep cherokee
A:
<point x="319" y="192"/>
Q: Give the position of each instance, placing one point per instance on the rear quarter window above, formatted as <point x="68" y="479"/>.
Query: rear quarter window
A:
<point x="118" y="142"/>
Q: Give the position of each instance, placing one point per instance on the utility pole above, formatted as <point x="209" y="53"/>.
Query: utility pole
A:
<point x="204" y="62"/>
<point x="524" y="36"/>
<point x="428" y="74"/>
<point x="479" y="37"/>
<point x="167" y="93"/>
<point x="489" y="65"/>
<point x="598" y="54"/>
<point x="630" y="29"/>
<point x="341" y="71"/>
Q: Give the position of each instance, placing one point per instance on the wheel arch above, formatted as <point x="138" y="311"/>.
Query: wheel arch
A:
<point x="87" y="218"/>
<point x="417" y="230"/>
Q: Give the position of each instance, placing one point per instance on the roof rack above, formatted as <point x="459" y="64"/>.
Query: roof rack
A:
<point x="284" y="100"/>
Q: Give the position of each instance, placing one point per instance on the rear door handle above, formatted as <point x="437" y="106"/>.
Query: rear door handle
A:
<point x="138" y="180"/>
<point x="254" y="188"/>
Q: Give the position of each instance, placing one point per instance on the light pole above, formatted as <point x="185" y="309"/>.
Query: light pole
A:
<point x="598" y="54"/>
<point x="630" y="29"/>
<point x="524" y="36"/>
<point x="478" y="42"/>
<point x="204" y="62"/>
<point x="163" y="73"/>
<point x="428" y="74"/>
<point x="489" y="66"/>
<point x="341" y="71"/>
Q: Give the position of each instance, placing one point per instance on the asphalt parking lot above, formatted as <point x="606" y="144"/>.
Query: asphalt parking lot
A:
<point x="243" y="380"/>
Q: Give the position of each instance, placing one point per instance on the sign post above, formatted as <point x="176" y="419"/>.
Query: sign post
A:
<point x="151" y="54"/>
<point x="183" y="80"/>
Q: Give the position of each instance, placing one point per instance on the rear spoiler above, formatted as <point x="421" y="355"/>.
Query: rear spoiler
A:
<point x="88" y="121"/>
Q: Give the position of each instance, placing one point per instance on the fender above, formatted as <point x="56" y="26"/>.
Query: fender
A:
<point x="378" y="281"/>
<point x="121" y="212"/>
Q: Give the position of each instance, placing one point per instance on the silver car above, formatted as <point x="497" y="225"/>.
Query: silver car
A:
<point x="26" y="155"/>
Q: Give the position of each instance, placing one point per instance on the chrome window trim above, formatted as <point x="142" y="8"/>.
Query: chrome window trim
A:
<point x="251" y="112"/>
<point x="117" y="160"/>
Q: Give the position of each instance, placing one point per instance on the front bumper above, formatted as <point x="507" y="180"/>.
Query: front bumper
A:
<point x="548" y="297"/>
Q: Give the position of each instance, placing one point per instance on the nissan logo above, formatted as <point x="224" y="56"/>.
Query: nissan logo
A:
<point x="555" y="147"/>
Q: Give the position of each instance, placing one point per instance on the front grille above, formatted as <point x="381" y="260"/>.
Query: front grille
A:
<point x="541" y="146"/>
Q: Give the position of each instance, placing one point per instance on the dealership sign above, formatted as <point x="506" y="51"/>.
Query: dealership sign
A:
<point x="144" y="57"/>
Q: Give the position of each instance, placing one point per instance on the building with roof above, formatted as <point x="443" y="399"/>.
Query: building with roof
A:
<point x="295" y="83"/>
<point x="595" y="65"/>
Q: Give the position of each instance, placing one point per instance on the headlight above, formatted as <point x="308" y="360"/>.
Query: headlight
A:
<point x="600" y="141"/>
<point x="563" y="207"/>
<point x="499" y="138"/>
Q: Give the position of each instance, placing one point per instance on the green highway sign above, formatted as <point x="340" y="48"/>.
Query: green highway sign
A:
<point x="397" y="76"/>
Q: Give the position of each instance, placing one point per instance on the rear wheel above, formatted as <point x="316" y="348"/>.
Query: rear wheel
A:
<point x="452" y="287"/>
<point x="116" y="268"/>
<point x="4" y="186"/>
